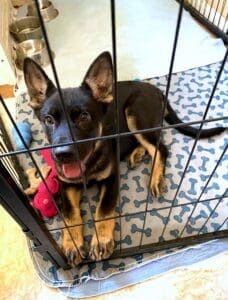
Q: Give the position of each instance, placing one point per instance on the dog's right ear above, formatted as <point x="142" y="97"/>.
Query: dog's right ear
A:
<point x="38" y="84"/>
<point x="99" y="78"/>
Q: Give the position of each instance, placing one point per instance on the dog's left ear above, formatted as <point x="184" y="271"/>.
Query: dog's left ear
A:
<point x="99" y="78"/>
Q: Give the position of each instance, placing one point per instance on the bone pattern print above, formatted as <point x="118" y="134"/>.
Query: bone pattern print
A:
<point x="189" y="94"/>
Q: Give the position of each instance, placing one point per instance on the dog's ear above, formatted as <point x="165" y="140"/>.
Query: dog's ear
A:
<point x="38" y="84"/>
<point x="99" y="78"/>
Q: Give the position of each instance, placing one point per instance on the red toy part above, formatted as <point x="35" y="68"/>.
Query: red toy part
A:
<point x="46" y="153"/>
<point x="43" y="200"/>
<point x="45" y="206"/>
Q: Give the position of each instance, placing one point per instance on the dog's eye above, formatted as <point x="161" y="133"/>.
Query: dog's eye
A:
<point x="84" y="116"/>
<point x="48" y="120"/>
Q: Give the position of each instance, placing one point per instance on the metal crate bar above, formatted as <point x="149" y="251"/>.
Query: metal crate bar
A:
<point x="178" y="24"/>
<point x="201" y="17"/>
<point x="17" y="204"/>
<point x="203" y="190"/>
<point x="115" y="96"/>
<point x="197" y="137"/>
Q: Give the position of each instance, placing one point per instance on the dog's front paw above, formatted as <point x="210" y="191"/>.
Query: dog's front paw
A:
<point x="101" y="250"/>
<point x="136" y="157"/>
<point x="74" y="254"/>
<point x="72" y="246"/>
<point x="104" y="248"/>
<point x="157" y="185"/>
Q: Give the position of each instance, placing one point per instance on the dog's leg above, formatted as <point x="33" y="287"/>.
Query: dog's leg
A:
<point x="74" y="250"/>
<point x="102" y="243"/>
<point x="157" y="179"/>
<point x="136" y="157"/>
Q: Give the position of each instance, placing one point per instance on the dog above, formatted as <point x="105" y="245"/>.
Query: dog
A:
<point x="90" y="112"/>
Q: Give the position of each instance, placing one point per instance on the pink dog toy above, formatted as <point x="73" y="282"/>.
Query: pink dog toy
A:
<point x="43" y="200"/>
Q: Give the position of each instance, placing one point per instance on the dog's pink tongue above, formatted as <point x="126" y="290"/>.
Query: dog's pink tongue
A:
<point x="73" y="170"/>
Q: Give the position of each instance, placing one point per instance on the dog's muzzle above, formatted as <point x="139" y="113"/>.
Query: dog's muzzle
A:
<point x="67" y="159"/>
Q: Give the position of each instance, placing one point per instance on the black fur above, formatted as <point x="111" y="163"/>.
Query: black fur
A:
<point x="173" y="119"/>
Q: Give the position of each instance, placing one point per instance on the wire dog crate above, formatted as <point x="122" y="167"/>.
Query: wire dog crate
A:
<point x="215" y="16"/>
<point x="16" y="203"/>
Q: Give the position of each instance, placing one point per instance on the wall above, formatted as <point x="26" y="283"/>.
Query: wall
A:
<point x="6" y="65"/>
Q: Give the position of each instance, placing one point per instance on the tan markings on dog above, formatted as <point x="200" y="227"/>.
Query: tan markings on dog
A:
<point x="105" y="231"/>
<point x="37" y="91"/>
<point x="75" y="254"/>
<point x="103" y="174"/>
<point x="37" y="84"/>
<point x="157" y="180"/>
<point x="136" y="156"/>
<point x="99" y="142"/>
<point x="100" y="79"/>
<point x="100" y="88"/>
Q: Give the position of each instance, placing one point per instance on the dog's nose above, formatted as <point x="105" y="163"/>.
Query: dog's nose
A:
<point x="64" y="153"/>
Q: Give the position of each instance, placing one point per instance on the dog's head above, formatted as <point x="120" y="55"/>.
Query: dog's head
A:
<point x="85" y="107"/>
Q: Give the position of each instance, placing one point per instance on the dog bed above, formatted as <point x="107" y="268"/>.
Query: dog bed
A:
<point x="189" y="94"/>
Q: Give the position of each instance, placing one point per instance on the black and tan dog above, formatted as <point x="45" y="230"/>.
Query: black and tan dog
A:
<point x="91" y="113"/>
